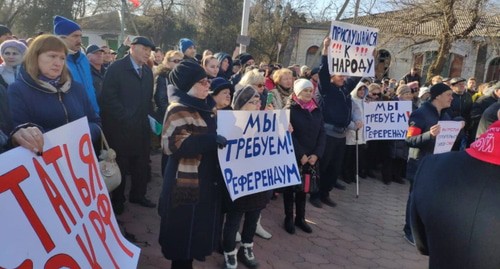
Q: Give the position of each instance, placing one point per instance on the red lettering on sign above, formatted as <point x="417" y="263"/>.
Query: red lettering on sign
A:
<point x="100" y="230"/>
<point x="51" y="156"/>
<point x="80" y="183"/>
<point x="90" y="255"/>
<point x="61" y="261"/>
<point x="86" y="148"/>
<point x="104" y="208"/>
<point x="10" y="181"/>
<point x="27" y="264"/>
<point x="55" y="197"/>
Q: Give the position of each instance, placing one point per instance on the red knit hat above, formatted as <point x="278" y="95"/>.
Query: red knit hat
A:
<point x="487" y="147"/>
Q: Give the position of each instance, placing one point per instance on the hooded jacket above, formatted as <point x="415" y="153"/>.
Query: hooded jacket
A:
<point x="229" y="72"/>
<point x="357" y="114"/>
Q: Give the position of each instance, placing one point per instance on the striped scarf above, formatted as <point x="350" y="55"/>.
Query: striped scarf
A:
<point x="180" y="123"/>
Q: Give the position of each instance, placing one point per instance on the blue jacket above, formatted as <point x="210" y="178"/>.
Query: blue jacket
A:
<point x="335" y="101"/>
<point x="50" y="108"/>
<point x="80" y="70"/>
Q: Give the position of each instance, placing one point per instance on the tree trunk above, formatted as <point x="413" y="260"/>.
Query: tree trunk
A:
<point x="437" y="65"/>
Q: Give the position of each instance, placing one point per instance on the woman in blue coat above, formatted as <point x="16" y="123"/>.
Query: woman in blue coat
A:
<point x="44" y="95"/>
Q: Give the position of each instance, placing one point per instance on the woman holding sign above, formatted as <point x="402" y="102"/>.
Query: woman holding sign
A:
<point x="45" y="97"/>
<point x="245" y="99"/>
<point x="190" y="201"/>
<point x="309" y="144"/>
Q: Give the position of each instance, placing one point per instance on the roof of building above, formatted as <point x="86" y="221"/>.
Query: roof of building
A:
<point x="413" y="23"/>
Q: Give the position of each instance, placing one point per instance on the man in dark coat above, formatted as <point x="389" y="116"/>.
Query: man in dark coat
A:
<point x="336" y="105"/>
<point x="97" y="70"/>
<point x="461" y="105"/>
<point x="421" y="138"/>
<point x="412" y="76"/>
<point x="489" y="116"/>
<point x="454" y="209"/>
<point x="126" y="103"/>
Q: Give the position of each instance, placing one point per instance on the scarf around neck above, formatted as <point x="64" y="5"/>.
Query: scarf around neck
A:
<point x="309" y="106"/>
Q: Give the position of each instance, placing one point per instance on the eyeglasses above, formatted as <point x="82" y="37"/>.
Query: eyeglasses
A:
<point x="176" y="61"/>
<point x="204" y="82"/>
<point x="260" y="85"/>
<point x="254" y="102"/>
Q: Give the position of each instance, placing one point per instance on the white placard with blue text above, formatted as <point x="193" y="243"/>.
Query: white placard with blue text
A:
<point x="259" y="155"/>
<point x="351" y="49"/>
<point x="386" y="120"/>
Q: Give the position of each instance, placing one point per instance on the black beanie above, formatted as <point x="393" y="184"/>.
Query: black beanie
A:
<point x="218" y="84"/>
<point x="438" y="89"/>
<point x="186" y="74"/>
<point x="245" y="57"/>
<point x="242" y="96"/>
<point x="4" y="30"/>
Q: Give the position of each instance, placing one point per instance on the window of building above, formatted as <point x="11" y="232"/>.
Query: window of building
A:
<point x="85" y="41"/>
<point x="493" y="72"/>
<point x="311" y="59"/>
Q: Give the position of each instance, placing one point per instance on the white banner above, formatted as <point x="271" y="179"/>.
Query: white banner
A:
<point x="259" y="155"/>
<point x="386" y="120"/>
<point x="55" y="210"/>
<point x="446" y="138"/>
<point x="351" y="49"/>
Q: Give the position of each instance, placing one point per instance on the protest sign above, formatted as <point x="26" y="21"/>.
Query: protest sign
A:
<point x="386" y="120"/>
<point x="259" y="155"/>
<point x="351" y="49"/>
<point x="446" y="138"/>
<point x="55" y="210"/>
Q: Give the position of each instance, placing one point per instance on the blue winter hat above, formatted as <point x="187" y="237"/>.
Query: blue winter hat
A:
<point x="218" y="84"/>
<point x="185" y="44"/>
<point x="63" y="26"/>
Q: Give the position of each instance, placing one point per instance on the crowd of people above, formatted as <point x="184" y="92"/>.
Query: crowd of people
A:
<point x="51" y="80"/>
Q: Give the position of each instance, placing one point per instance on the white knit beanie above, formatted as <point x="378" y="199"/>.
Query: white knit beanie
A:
<point x="301" y="84"/>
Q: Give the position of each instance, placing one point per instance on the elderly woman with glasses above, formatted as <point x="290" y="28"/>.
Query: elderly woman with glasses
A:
<point x="190" y="201"/>
<point x="255" y="79"/>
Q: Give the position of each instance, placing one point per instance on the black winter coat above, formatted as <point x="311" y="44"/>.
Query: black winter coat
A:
<point x="190" y="231"/>
<point x="455" y="213"/>
<point x="126" y="103"/>
<point x="489" y="116"/>
<point x="461" y="106"/>
<point x="308" y="131"/>
<point x="161" y="96"/>
<point x="419" y="138"/>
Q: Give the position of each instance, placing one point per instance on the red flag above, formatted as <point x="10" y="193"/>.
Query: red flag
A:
<point x="135" y="2"/>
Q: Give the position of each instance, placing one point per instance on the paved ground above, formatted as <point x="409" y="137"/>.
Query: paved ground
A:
<point x="358" y="233"/>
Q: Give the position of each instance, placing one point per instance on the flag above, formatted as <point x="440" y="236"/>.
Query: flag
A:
<point x="135" y="3"/>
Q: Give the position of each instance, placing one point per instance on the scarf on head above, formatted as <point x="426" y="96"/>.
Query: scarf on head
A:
<point x="487" y="147"/>
<point x="309" y="106"/>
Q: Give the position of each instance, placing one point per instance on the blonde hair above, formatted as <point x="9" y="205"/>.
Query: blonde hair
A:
<point x="42" y="44"/>
<point x="207" y="59"/>
<point x="171" y="54"/>
<point x="278" y="74"/>
<point x="373" y="86"/>
<point x="436" y="79"/>
<point x="251" y="77"/>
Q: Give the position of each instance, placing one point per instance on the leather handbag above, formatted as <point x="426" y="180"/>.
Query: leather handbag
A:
<point x="310" y="178"/>
<point x="107" y="164"/>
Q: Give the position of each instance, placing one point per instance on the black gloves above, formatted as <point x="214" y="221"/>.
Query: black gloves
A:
<point x="221" y="141"/>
